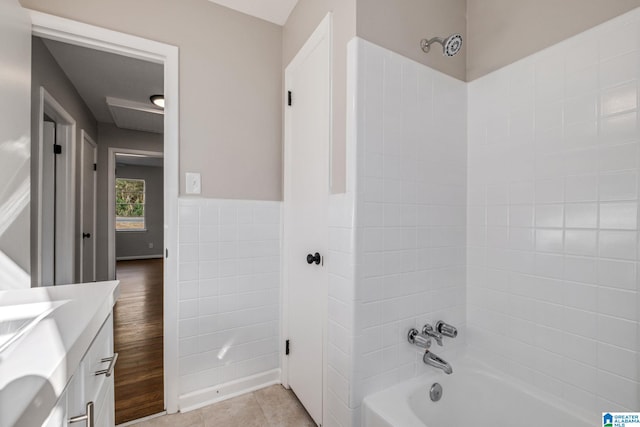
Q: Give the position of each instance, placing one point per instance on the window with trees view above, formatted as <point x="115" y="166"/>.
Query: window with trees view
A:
<point x="129" y="204"/>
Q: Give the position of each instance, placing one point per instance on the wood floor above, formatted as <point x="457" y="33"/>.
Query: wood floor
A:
<point x="138" y="336"/>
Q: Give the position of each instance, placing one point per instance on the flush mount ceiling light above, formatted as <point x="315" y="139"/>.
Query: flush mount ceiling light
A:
<point x="157" y="100"/>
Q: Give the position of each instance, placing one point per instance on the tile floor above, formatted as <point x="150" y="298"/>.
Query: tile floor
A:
<point x="273" y="406"/>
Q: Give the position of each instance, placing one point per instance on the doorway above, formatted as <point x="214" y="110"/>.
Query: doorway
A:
<point x="80" y="34"/>
<point x="136" y="231"/>
<point x="306" y="181"/>
<point x="55" y="194"/>
<point x="88" y="206"/>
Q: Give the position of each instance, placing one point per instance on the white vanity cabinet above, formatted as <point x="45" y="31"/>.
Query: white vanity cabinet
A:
<point x="88" y="399"/>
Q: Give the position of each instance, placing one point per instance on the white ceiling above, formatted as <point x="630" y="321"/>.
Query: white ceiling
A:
<point x="97" y="75"/>
<point x="276" y="11"/>
<point x="124" y="160"/>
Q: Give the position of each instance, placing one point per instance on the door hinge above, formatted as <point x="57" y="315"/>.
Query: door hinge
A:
<point x="166" y="253"/>
<point x="289" y="98"/>
<point x="57" y="149"/>
<point x="95" y="166"/>
<point x="286" y="347"/>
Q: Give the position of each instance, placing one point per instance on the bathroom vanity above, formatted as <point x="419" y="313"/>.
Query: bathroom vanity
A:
<point x="56" y="356"/>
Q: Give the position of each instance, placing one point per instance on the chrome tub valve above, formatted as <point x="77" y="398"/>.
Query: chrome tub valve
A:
<point x="418" y="339"/>
<point x="446" y="329"/>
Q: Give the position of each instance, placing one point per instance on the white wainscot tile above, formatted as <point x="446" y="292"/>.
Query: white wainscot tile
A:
<point x="581" y="242"/>
<point x="618" y="244"/>
<point x="619" y="215"/>
<point x="619" y="129"/>
<point x="617" y="274"/>
<point x="623" y="186"/>
<point x="618" y="157"/>
<point x="581" y="215"/>
<point x="582" y="188"/>
<point x="549" y="215"/>
<point x="618" y="70"/>
<point x="619" y="100"/>
<point x="618" y="303"/>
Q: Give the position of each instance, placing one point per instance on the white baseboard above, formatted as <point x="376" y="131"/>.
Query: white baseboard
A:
<point x="208" y="396"/>
<point x="131" y="258"/>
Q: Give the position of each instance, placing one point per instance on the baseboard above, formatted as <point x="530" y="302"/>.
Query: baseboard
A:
<point x="132" y="258"/>
<point x="208" y="396"/>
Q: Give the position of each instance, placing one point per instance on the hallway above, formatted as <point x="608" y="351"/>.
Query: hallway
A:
<point x="138" y="330"/>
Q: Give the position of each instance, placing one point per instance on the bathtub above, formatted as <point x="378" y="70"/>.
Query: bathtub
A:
<point x="474" y="395"/>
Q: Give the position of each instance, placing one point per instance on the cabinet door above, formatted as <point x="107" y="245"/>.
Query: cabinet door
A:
<point x="59" y="414"/>
<point x="105" y="412"/>
<point x="76" y="403"/>
<point x="98" y="387"/>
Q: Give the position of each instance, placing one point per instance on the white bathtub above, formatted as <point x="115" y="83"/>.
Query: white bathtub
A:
<point x="474" y="395"/>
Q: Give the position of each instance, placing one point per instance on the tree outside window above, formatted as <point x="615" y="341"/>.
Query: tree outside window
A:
<point x="130" y="201"/>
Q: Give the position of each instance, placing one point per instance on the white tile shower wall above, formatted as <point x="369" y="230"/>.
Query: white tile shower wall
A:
<point x="229" y="291"/>
<point x="553" y="218"/>
<point x="404" y="252"/>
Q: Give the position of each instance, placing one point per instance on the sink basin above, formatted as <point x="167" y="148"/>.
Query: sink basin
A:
<point x="15" y="320"/>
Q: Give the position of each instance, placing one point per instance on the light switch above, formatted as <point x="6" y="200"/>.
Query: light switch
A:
<point x="193" y="183"/>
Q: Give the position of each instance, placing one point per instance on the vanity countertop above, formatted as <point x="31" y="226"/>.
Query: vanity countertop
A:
<point x="36" y="366"/>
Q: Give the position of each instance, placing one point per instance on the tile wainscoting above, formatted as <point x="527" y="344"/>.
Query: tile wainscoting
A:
<point x="229" y="297"/>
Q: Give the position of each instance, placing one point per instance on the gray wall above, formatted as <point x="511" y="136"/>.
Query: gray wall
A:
<point x="399" y="25"/>
<point x="15" y="50"/>
<point x="303" y="20"/>
<point x="46" y="72"/>
<point x="230" y="86"/>
<point x="111" y="136"/>
<point x="502" y="31"/>
<point x="131" y="244"/>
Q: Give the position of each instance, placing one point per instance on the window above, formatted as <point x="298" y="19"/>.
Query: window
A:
<point x="130" y="204"/>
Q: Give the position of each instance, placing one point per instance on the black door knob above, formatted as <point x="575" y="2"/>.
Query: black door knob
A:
<point x="86" y="235"/>
<point x="314" y="258"/>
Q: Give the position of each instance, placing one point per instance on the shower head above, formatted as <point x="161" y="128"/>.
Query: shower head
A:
<point x="450" y="46"/>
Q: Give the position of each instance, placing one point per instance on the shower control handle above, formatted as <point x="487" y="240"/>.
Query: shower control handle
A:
<point x="314" y="258"/>
<point x="416" y="338"/>
<point x="446" y="329"/>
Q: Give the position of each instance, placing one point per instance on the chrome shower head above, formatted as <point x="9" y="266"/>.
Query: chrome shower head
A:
<point x="450" y="46"/>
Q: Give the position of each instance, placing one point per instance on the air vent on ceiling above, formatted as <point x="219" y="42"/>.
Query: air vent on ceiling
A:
<point x="136" y="115"/>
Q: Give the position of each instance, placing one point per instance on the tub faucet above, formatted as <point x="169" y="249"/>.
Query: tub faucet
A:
<point x="432" y="360"/>
<point x="428" y="330"/>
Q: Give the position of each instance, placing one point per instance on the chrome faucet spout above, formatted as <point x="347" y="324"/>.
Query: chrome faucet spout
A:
<point x="431" y="359"/>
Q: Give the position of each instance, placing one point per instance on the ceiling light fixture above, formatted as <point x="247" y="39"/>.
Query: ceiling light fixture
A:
<point x="157" y="100"/>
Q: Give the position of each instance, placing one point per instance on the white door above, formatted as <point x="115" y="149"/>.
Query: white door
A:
<point x="307" y="147"/>
<point x="89" y="155"/>
<point x="48" y="200"/>
<point x="15" y="155"/>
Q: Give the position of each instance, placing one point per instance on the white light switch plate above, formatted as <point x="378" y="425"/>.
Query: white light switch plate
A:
<point x="193" y="183"/>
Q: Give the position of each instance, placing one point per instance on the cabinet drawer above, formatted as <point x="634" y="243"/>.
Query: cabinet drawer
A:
<point x="98" y="359"/>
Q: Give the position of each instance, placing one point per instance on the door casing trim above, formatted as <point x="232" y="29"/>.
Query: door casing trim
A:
<point x="81" y="34"/>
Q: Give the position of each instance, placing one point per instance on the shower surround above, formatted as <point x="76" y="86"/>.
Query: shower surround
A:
<point x="397" y="237"/>
<point x="552" y="255"/>
<point x="523" y="233"/>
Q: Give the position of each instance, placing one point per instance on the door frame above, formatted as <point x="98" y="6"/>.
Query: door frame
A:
<point x="84" y="136"/>
<point x="81" y="34"/>
<point x="66" y="137"/>
<point x="322" y="32"/>
<point x="111" y="197"/>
